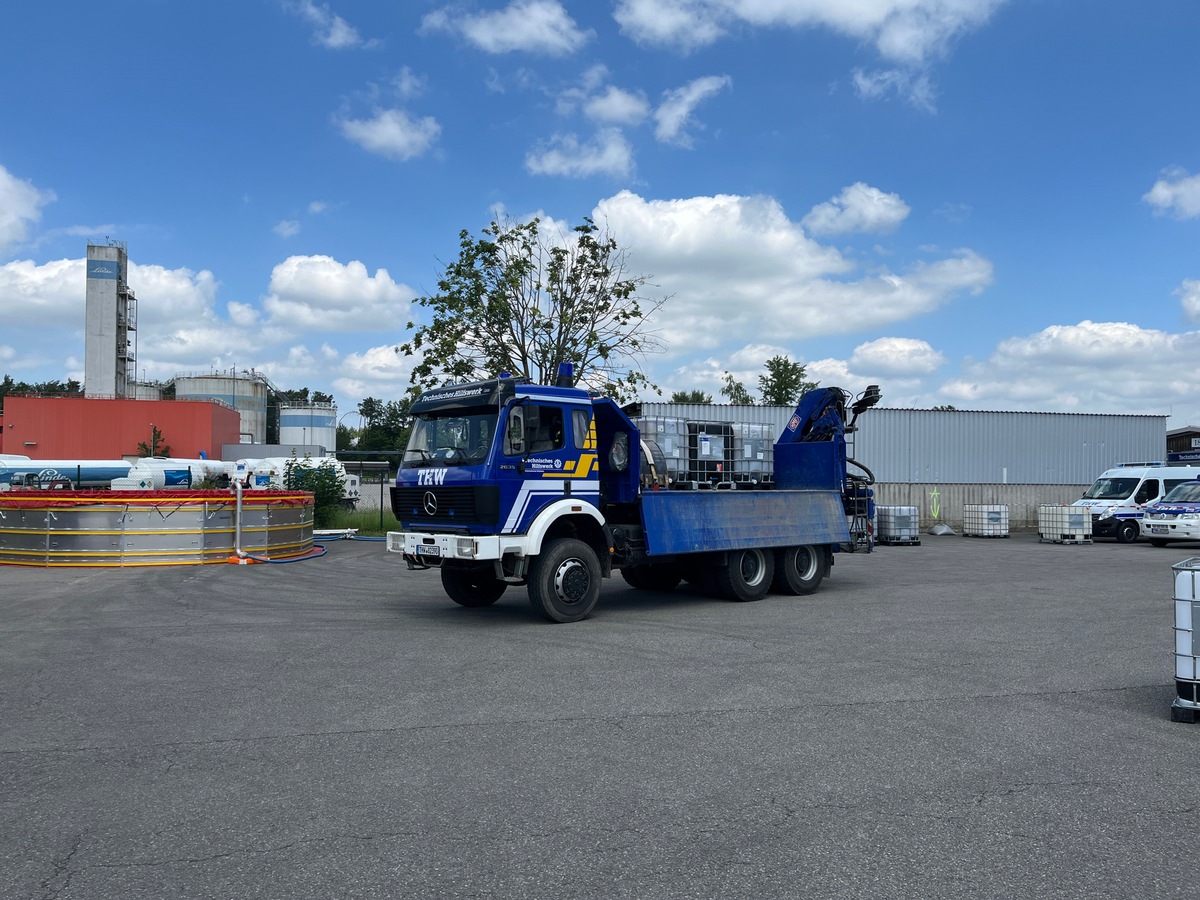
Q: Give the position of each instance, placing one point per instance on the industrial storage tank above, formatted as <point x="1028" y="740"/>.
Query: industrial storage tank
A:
<point x="308" y="423"/>
<point x="246" y="391"/>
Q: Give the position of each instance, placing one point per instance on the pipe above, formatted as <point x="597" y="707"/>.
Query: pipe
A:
<point x="237" y="522"/>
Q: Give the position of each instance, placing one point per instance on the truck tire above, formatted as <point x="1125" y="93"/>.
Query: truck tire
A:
<point x="798" y="570"/>
<point x="653" y="577"/>
<point x="471" y="587"/>
<point x="748" y="575"/>
<point x="564" y="580"/>
<point x="1127" y="532"/>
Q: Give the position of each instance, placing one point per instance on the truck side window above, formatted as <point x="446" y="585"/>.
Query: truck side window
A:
<point x="533" y="429"/>
<point x="1147" y="492"/>
<point x="545" y="425"/>
<point x="580" y="420"/>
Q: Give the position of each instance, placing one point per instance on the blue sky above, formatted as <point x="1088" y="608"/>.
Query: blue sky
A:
<point x="990" y="204"/>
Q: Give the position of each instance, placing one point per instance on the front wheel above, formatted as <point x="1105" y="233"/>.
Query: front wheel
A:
<point x="564" y="581"/>
<point x="471" y="587"/>
<point x="748" y="575"/>
<point x="1127" y="532"/>
<point x="1157" y="542"/>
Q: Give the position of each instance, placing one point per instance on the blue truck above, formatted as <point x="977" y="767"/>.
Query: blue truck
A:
<point x="504" y="482"/>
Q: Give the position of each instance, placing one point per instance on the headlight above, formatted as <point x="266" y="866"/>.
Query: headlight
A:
<point x="466" y="548"/>
<point x="1107" y="513"/>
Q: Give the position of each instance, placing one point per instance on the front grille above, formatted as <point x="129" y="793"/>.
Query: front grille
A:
<point x="456" y="506"/>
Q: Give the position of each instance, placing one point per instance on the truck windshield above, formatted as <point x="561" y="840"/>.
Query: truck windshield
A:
<point x="1111" y="489"/>
<point x="457" y="440"/>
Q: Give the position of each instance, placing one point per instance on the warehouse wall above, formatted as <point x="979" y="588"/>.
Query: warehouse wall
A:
<point x="948" y="500"/>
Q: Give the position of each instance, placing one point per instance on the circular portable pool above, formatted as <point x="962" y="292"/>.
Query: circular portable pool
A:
<point x="151" y="528"/>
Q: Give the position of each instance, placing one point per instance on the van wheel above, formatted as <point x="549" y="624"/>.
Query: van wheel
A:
<point x="798" y="570"/>
<point x="1157" y="542"/>
<point x="748" y="575"/>
<point x="1127" y="532"/>
<point x="564" y="582"/>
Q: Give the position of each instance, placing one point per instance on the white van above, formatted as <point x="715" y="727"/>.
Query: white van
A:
<point x="1119" y="496"/>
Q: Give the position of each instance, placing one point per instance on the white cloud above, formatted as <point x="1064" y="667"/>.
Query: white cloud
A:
<point x="329" y="29"/>
<point x="736" y="265"/>
<point x="904" y="357"/>
<point x="317" y="207"/>
<point x="287" y="228"/>
<point x="674" y="114"/>
<point x="909" y="32"/>
<point x="1189" y="298"/>
<point x="608" y="153"/>
<point x="617" y="107"/>
<point x="20" y="207"/>
<point x="318" y="292"/>
<point x="914" y="87"/>
<point x="1055" y="368"/>
<point x="1176" y="193"/>
<point x="392" y="133"/>
<point x="41" y="294"/>
<point x="531" y="26"/>
<point x="858" y="208"/>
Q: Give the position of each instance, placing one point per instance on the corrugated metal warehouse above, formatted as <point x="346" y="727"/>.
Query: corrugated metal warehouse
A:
<point x="941" y="460"/>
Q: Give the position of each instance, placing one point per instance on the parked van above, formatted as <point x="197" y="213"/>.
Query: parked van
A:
<point x="1119" y="497"/>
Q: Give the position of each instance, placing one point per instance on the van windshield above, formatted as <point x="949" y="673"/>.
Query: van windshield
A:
<point x="1111" y="489"/>
<point x="1188" y="492"/>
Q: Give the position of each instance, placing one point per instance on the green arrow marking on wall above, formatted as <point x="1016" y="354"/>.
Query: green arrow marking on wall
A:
<point x="935" y="505"/>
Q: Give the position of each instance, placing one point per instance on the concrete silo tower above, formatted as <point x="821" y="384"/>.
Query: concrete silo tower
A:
<point x="110" y="332"/>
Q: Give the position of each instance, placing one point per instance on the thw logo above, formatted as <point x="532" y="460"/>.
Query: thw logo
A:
<point x="431" y="476"/>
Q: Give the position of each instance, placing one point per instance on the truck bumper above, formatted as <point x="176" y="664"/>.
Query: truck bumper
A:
<point x="433" y="548"/>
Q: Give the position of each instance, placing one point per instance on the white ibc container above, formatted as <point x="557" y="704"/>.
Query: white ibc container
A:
<point x="752" y="450"/>
<point x="985" y="520"/>
<point x="671" y="436"/>
<point x="1061" y="524"/>
<point x="898" y="525"/>
<point x="1187" y="615"/>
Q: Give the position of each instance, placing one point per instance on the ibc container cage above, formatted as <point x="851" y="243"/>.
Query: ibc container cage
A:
<point x="753" y="454"/>
<point x="710" y="453"/>
<point x="671" y="437"/>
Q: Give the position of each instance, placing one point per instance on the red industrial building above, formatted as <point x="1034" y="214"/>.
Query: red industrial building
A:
<point x="85" y="428"/>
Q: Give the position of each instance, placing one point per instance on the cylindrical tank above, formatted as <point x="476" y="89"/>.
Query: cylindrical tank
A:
<point x="146" y="390"/>
<point x="247" y="393"/>
<point x="307" y="424"/>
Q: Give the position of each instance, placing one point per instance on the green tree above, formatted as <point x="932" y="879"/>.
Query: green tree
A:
<point x="735" y="392"/>
<point x="370" y="409"/>
<point x="693" y="396"/>
<point x="946" y="407"/>
<point x="322" y="480"/>
<point x="388" y="429"/>
<point x="155" y="446"/>
<point x="784" y="382"/>
<point x="518" y="301"/>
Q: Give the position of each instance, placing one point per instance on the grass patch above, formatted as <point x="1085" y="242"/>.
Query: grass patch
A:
<point x="367" y="521"/>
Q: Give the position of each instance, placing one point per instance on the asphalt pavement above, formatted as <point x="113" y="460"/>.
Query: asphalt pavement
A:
<point x="971" y="717"/>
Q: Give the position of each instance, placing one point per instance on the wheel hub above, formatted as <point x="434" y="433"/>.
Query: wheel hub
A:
<point x="571" y="581"/>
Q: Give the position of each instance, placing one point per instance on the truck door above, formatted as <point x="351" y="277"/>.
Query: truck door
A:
<point x="546" y="457"/>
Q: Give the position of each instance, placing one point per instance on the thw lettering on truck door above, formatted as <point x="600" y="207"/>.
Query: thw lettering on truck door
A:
<point x="431" y="477"/>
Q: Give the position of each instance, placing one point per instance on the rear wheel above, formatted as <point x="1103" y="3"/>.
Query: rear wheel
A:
<point x="472" y="587"/>
<point x="748" y="575"/>
<point x="1127" y="532"/>
<point x="799" y="570"/>
<point x="564" y="581"/>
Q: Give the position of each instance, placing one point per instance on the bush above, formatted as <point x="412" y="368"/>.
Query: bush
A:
<point x="323" y="481"/>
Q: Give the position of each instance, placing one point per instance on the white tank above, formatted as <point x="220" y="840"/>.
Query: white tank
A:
<point x="308" y="423"/>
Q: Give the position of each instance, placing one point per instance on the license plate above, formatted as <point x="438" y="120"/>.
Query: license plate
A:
<point x="428" y="550"/>
<point x="1158" y="529"/>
